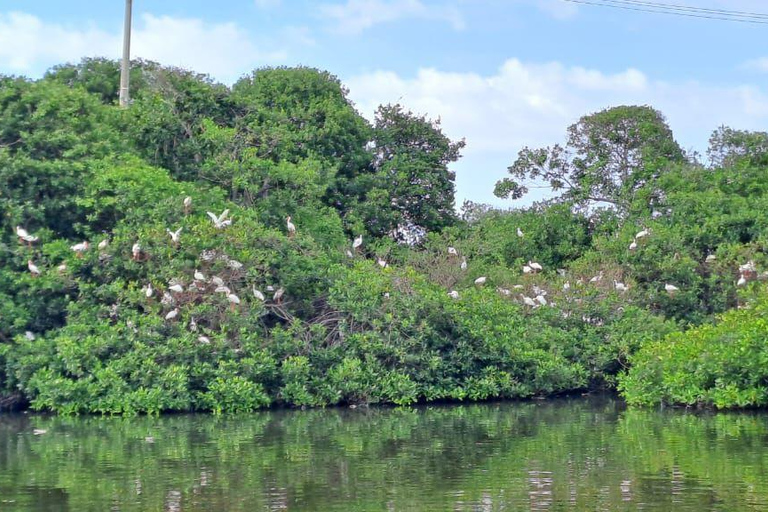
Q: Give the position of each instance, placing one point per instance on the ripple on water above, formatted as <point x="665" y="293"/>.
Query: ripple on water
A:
<point x="587" y="454"/>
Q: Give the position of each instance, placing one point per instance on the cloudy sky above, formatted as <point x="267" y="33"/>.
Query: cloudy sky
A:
<point x="502" y="74"/>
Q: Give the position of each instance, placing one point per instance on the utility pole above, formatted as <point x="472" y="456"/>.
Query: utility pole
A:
<point x="125" y="67"/>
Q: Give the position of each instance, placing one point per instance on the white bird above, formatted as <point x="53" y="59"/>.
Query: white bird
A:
<point x="233" y="299"/>
<point x="541" y="300"/>
<point x="193" y="324"/>
<point x="29" y="335"/>
<point x="529" y="301"/>
<point x="103" y="244"/>
<point x="463" y="265"/>
<point x="642" y="234"/>
<point x="221" y="221"/>
<point x="504" y="291"/>
<point x="535" y="266"/>
<point x="172" y="314"/>
<point x="567" y="286"/>
<point x="199" y="276"/>
<point x="382" y="262"/>
<point x="671" y="289"/>
<point x="257" y="293"/>
<point x="748" y="267"/>
<point x="33" y="268"/>
<point x="518" y="287"/>
<point x="290" y="225"/>
<point x="187" y="205"/>
<point x="480" y="280"/>
<point x="278" y="295"/>
<point x="452" y="251"/>
<point x="620" y="286"/>
<point x="148" y="291"/>
<point x="520" y="233"/>
<point x="527" y="269"/>
<point x="234" y="264"/>
<point x="136" y="251"/>
<point x="217" y="281"/>
<point x="597" y="278"/>
<point x="222" y="289"/>
<point x="453" y="294"/>
<point x="357" y="242"/>
<point x="205" y="340"/>
<point x="633" y="246"/>
<point x="270" y="288"/>
<point x="175" y="235"/>
<point x="349" y="253"/>
<point x="24" y="235"/>
<point x="742" y="281"/>
<point x="62" y="268"/>
<point x="167" y="299"/>
<point x="176" y="288"/>
<point x="710" y="258"/>
<point x="80" y="248"/>
<point x="39" y="431"/>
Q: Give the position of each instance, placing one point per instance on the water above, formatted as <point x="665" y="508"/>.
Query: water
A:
<point x="580" y="454"/>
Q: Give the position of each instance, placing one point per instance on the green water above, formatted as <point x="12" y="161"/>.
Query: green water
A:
<point x="581" y="454"/>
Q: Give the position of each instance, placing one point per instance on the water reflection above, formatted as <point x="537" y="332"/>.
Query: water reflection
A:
<point x="586" y="454"/>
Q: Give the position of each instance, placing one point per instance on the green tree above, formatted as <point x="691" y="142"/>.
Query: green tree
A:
<point x="609" y="156"/>
<point x="411" y="186"/>
<point x="728" y="147"/>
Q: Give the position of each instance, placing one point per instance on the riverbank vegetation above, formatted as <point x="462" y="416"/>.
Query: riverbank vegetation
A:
<point x="225" y="249"/>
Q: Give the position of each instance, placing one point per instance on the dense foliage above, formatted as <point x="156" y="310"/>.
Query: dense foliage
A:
<point x="219" y="272"/>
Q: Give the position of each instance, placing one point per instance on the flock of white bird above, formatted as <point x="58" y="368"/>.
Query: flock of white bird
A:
<point x="747" y="273"/>
<point x="216" y="284"/>
<point x="176" y="290"/>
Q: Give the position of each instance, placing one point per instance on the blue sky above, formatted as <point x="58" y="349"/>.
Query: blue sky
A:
<point x="501" y="73"/>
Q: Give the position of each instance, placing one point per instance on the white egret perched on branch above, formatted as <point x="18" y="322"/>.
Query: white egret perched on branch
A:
<point x="220" y="221"/>
<point x="33" y="269"/>
<point x="175" y="235"/>
<point x="291" y="226"/>
<point x="187" y="205"/>
<point x="80" y="248"/>
<point x="453" y="294"/>
<point x="642" y="234"/>
<point x="24" y="235"/>
<point x="136" y="251"/>
<point x="278" y="296"/>
<point x="452" y="251"/>
<point x="172" y="314"/>
<point x="480" y="280"/>
<point x="520" y="233"/>
<point x="257" y="293"/>
<point x="671" y="289"/>
<point x="357" y="242"/>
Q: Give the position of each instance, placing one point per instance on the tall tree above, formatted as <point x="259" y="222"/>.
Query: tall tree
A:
<point x="609" y="156"/>
<point x="412" y="186"/>
<point x="728" y="147"/>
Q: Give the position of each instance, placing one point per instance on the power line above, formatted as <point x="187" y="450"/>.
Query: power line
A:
<point x="679" y="10"/>
<point x="689" y="8"/>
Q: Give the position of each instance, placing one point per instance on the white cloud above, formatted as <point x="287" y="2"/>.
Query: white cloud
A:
<point x="760" y="65"/>
<point x="532" y="104"/>
<point x="25" y="40"/>
<point x="558" y="8"/>
<point x="267" y="4"/>
<point x="355" y="16"/>
<point x="29" y="45"/>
